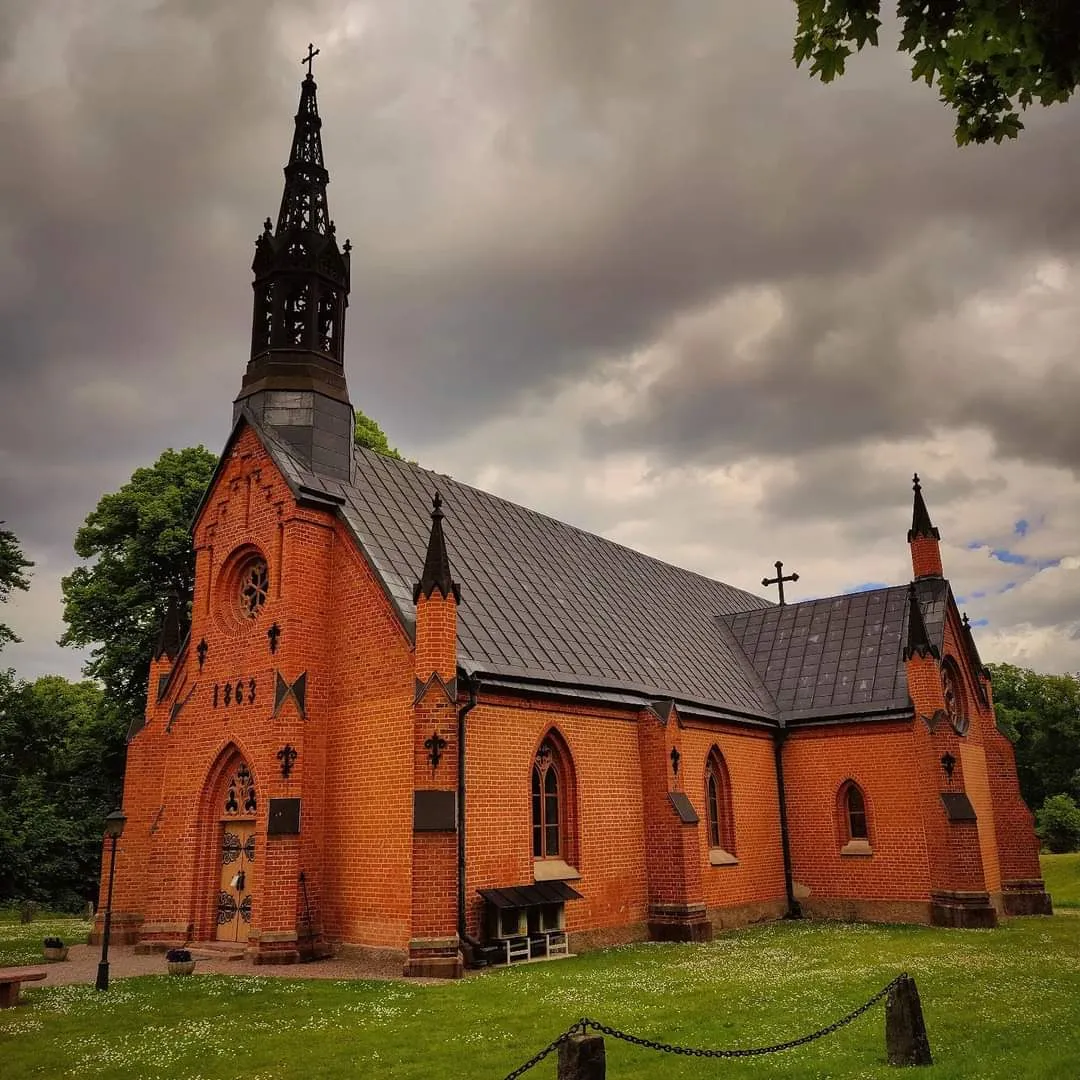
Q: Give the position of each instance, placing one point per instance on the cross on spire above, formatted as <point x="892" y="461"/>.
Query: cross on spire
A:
<point x="780" y="579"/>
<point x="312" y="52"/>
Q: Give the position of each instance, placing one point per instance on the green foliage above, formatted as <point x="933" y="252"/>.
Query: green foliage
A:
<point x="999" y="1005"/>
<point x="61" y="758"/>
<point x="12" y="565"/>
<point x="1061" y="875"/>
<point x="1058" y="824"/>
<point x="370" y="436"/>
<point x="988" y="58"/>
<point x="139" y="541"/>
<point x="1041" y="714"/>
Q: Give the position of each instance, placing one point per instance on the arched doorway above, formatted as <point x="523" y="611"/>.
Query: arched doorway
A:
<point x="237" y="857"/>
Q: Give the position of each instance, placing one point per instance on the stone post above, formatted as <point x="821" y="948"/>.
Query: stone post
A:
<point x="582" y="1057"/>
<point x="906" y="1042"/>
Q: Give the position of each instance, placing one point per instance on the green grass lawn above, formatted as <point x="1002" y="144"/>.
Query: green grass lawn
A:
<point x="1000" y="1003"/>
<point x="1062" y="876"/>
<point x="20" y="943"/>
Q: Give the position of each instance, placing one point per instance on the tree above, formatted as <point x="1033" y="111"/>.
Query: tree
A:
<point x="370" y="436"/>
<point x="12" y="565"/>
<point x="140" y="540"/>
<point x="1058" y="824"/>
<point x="986" y="57"/>
<point x="61" y="761"/>
<point x="1041" y="714"/>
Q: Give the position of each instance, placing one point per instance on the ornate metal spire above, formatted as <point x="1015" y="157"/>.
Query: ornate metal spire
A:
<point x="295" y="379"/>
<point x="303" y="202"/>
<point x="436" y="573"/>
<point x="918" y="639"/>
<point x="920" y="517"/>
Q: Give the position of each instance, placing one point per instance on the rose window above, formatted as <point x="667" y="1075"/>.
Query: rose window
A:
<point x="254" y="586"/>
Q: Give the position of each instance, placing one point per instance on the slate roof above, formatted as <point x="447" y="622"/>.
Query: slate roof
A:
<point x="545" y="604"/>
<point x="543" y="600"/>
<point x="840" y="654"/>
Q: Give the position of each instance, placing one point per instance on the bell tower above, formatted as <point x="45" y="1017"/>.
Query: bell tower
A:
<point x="295" y="380"/>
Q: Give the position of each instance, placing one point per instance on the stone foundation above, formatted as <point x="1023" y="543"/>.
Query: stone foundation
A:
<point x="843" y="909"/>
<point x="382" y="961"/>
<point x="435" y="958"/>
<point x="1026" y="898"/>
<point x="124" y="928"/>
<point x="580" y="941"/>
<point x="679" y="922"/>
<point x="731" y="918"/>
<point x="963" y="910"/>
<point x="273" y="947"/>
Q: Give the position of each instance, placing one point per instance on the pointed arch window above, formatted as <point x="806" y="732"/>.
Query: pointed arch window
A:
<point x="547" y="815"/>
<point x="327" y="322"/>
<point x="297" y="309"/>
<point x="854" y="820"/>
<point x="553" y="807"/>
<point x="719" y="811"/>
<point x="264" y="320"/>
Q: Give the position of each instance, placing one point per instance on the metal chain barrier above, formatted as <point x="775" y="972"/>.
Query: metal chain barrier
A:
<point x="586" y="1024"/>
<point x="550" y="1048"/>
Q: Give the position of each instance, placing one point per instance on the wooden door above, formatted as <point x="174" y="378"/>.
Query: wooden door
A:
<point x="237" y="884"/>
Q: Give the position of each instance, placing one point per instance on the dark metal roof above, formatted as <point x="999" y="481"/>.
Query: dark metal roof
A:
<point x="839" y="654"/>
<point x="546" y="604"/>
<point x="522" y="896"/>
<point x="541" y="598"/>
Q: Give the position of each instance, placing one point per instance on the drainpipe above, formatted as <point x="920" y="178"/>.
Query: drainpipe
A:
<point x="474" y="686"/>
<point x="779" y="737"/>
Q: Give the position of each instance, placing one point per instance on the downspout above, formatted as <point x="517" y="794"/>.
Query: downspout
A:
<point x="474" y="686"/>
<point x="779" y="737"/>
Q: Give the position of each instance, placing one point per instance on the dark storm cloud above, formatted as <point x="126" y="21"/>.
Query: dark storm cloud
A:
<point x="534" y="191"/>
<point x="688" y="160"/>
<point x="126" y="206"/>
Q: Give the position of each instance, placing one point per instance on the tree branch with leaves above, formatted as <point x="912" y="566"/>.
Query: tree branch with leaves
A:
<point x="987" y="58"/>
<point x="13" y="564"/>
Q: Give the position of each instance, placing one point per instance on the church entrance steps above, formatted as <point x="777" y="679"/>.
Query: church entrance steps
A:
<point x="216" y="950"/>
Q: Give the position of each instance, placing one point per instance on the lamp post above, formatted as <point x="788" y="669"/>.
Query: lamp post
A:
<point x="114" y="826"/>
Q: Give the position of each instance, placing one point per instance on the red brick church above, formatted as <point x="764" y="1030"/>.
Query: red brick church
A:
<point x="413" y="718"/>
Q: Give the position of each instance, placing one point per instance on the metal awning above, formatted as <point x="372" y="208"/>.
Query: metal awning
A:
<point x="523" y="896"/>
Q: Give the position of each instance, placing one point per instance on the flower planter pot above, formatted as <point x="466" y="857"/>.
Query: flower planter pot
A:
<point x="181" y="967"/>
<point x="56" y="954"/>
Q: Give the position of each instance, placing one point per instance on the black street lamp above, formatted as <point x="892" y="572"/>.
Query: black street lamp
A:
<point x="114" y="826"/>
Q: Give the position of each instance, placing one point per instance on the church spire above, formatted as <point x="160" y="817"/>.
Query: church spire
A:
<point x="295" y="379"/>
<point x="303" y="202"/>
<point x="920" y="516"/>
<point x="436" y="573"/>
<point x="923" y="538"/>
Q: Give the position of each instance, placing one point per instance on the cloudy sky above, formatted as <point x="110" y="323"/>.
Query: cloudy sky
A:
<point x="619" y="262"/>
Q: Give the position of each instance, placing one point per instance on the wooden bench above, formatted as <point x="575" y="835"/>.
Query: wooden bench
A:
<point x="10" y="978"/>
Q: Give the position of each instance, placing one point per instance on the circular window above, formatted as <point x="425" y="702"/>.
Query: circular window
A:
<point x="254" y="584"/>
<point x="954" y="699"/>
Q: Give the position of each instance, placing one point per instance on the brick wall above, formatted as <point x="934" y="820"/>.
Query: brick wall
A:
<point x="607" y="835"/>
<point x="372" y="882"/>
<point x="880" y="758"/>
